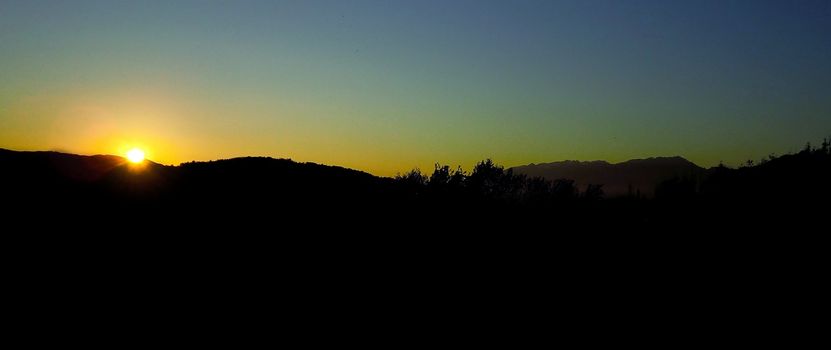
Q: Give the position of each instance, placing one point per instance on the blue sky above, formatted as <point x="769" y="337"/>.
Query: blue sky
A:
<point x="385" y="86"/>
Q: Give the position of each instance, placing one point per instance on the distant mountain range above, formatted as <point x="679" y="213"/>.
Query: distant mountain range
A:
<point x="632" y="176"/>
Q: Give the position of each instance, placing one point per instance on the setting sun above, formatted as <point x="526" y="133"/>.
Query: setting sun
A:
<point x="135" y="155"/>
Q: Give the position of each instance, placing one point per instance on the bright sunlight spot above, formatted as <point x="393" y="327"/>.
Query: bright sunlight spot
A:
<point x="135" y="155"/>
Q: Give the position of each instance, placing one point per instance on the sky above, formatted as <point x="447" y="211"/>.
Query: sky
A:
<point x="386" y="86"/>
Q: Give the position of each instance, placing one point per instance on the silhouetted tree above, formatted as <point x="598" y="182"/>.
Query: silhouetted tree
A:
<point x="413" y="182"/>
<point x="440" y="177"/>
<point x="593" y="192"/>
<point x="487" y="179"/>
<point x="443" y="177"/>
<point x="537" y="190"/>
<point x="444" y="183"/>
<point x="413" y="177"/>
<point x="563" y="189"/>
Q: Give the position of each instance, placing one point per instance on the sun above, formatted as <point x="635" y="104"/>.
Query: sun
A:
<point x="135" y="155"/>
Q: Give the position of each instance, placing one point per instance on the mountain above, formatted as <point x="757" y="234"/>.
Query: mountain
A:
<point x="264" y="194"/>
<point x="632" y="176"/>
<point x="48" y="164"/>
<point x="271" y="221"/>
<point x="109" y="186"/>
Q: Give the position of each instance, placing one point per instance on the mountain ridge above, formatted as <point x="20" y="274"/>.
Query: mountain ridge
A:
<point x="630" y="177"/>
<point x="605" y="162"/>
<point x="252" y="191"/>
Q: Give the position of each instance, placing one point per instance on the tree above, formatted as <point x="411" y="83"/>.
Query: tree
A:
<point x="593" y="192"/>
<point x="413" y="181"/>
<point x="487" y="178"/>
<point x="563" y="189"/>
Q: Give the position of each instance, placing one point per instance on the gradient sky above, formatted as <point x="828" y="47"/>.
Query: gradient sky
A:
<point x="385" y="86"/>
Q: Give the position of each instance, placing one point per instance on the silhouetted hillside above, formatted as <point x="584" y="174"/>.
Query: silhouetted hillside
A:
<point x="625" y="178"/>
<point x="232" y="187"/>
<point x="256" y="191"/>
<point x="56" y="165"/>
<point x="793" y="188"/>
<point x="275" y="221"/>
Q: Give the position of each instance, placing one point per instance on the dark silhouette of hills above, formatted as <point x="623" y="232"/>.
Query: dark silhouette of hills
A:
<point x="110" y="184"/>
<point x="256" y="191"/>
<point x="626" y="178"/>
<point x="72" y="167"/>
<point x="324" y="233"/>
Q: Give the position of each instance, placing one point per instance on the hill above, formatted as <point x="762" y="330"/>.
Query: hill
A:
<point x="98" y="192"/>
<point x="111" y="188"/>
<point x="259" y="213"/>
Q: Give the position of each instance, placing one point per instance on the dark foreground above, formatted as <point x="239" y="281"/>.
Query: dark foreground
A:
<point x="245" y="204"/>
<point x="229" y="239"/>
